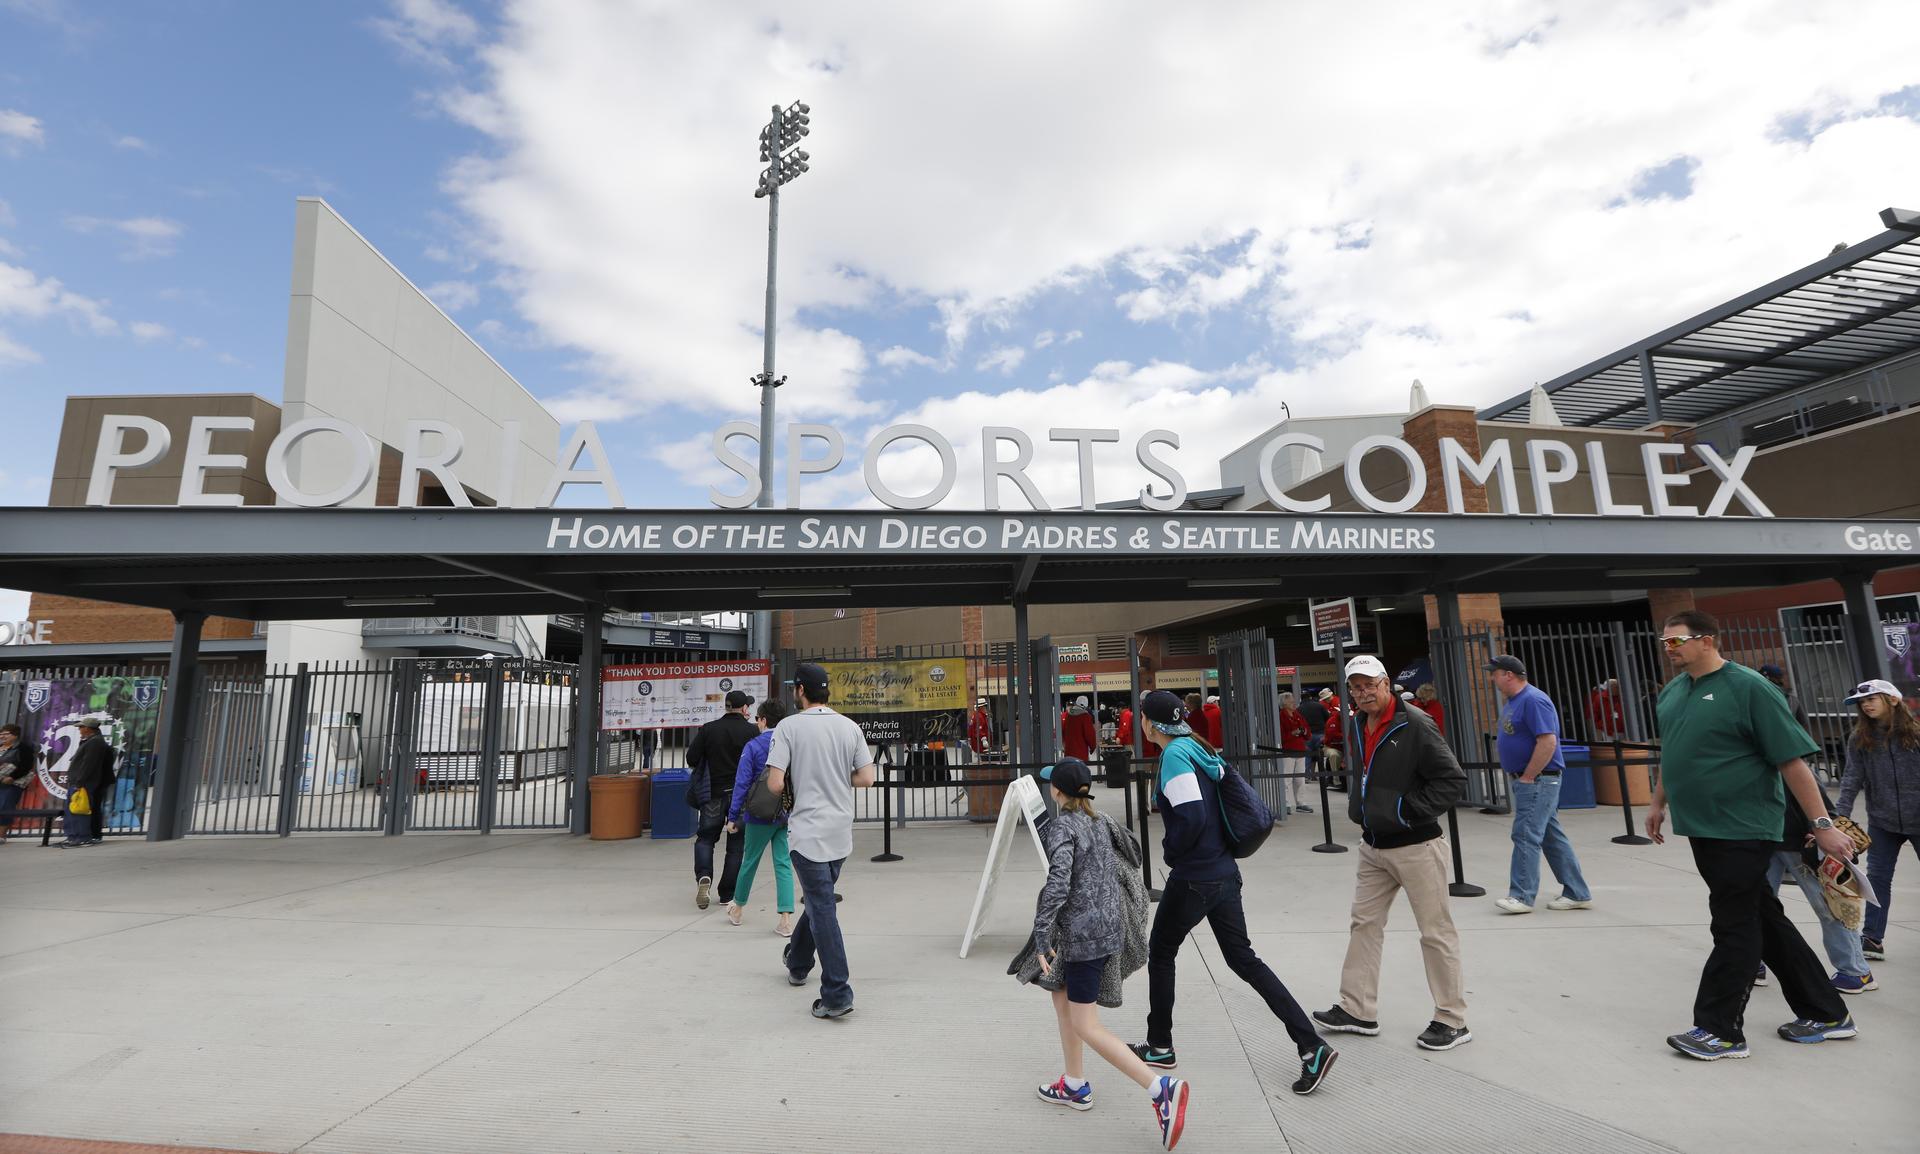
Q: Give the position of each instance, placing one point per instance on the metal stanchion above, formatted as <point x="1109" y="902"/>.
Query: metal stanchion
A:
<point x="886" y="813"/>
<point x="1495" y="787"/>
<point x="1326" y="817"/>
<point x="1146" y="842"/>
<point x="1626" y="800"/>
<point x="1461" y="888"/>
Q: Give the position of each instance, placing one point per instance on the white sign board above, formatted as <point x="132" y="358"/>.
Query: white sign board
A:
<point x="676" y="696"/>
<point x="1023" y="801"/>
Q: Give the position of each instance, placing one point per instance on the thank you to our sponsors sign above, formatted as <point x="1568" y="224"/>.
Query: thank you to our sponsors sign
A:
<point x="676" y="696"/>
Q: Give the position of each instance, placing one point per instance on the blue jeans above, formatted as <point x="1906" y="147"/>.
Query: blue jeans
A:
<point x="1881" y="855"/>
<point x="819" y="928"/>
<point x="1843" y="944"/>
<point x="1536" y="827"/>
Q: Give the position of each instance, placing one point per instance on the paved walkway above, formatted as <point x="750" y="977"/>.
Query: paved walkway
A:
<point x="538" y="992"/>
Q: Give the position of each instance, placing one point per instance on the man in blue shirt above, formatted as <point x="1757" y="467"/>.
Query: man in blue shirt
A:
<point x="1529" y="745"/>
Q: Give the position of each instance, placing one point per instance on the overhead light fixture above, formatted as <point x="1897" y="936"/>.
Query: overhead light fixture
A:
<point x="815" y="591"/>
<point x="1233" y="583"/>
<point x="387" y="602"/>
<point x="1677" y="571"/>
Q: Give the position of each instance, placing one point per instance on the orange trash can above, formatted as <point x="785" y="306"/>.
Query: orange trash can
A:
<point x="613" y="812"/>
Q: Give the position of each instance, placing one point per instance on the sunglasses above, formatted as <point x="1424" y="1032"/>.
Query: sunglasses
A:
<point x="1677" y="642"/>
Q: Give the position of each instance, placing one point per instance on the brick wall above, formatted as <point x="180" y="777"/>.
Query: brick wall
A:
<point x="76" y="621"/>
<point x="1663" y="603"/>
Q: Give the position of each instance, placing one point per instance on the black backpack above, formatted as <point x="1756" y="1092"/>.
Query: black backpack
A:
<point x="1245" y="816"/>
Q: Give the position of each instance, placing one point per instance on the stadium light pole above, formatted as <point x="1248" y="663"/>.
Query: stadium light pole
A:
<point x="785" y="161"/>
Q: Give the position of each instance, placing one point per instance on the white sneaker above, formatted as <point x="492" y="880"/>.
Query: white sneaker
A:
<point x="1564" y="902"/>
<point x="1513" y="906"/>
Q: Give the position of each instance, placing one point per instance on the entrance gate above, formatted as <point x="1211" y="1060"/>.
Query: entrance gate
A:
<point x="1250" y="711"/>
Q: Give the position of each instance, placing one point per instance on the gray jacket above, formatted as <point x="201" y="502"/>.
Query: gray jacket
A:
<point x="1078" y="914"/>
<point x="1890" y="773"/>
<point x="1132" y="954"/>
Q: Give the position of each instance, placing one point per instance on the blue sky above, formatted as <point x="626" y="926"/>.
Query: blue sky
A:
<point x="1167" y="219"/>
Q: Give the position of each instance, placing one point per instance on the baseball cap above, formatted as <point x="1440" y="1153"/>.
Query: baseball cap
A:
<point x="1771" y="670"/>
<point x="1366" y="665"/>
<point x="811" y="678"/>
<point x="1081" y="701"/>
<point x="1070" y="776"/>
<point x="980" y="701"/>
<point x="1167" y="713"/>
<point x="738" y="697"/>
<point x="1510" y="663"/>
<point x="1866" y="689"/>
<point x="90" y="723"/>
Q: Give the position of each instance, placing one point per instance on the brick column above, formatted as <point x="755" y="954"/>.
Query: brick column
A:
<point x="783" y="625"/>
<point x="1664" y="603"/>
<point x="869" y="633"/>
<point x="1424" y="430"/>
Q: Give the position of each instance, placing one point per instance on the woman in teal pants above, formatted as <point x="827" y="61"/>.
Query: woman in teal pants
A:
<point x="761" y="834"/>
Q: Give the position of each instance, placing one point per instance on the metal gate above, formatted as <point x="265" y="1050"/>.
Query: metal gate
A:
<point x="490" y="745"/>
<point x="1250" y="710"/>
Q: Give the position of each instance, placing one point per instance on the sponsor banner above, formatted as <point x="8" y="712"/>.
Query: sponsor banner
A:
<point x="678" y="695"/>
<point x="919" y="686"/>
<point x="128" y="709"/>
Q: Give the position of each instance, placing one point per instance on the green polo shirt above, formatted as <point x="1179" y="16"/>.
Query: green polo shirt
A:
<point x="1723" y="738"/>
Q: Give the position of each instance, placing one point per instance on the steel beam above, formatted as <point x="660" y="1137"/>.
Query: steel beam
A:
<point x="586" y="716"/>
<point x="1864" y="635"/>
<point x="168" y="806"/>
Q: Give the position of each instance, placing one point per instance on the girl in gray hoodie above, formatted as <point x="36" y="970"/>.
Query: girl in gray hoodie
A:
<point x="1076" y="928"/>
<point x="1883" y="761"/>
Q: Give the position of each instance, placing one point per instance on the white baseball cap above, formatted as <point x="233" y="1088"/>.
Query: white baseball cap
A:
<point x="1869" y="688"/>
<point x="1366" y="665"/>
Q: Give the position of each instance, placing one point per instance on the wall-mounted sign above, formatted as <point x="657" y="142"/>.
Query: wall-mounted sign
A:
<point x="676" y="696"/>
<point x="1334" y="621"/>
<point x="1080" y="652"/>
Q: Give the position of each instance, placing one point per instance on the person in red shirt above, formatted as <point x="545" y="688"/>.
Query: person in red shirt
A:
<point x="1334" y="749"/>
<point x="1123" y="732"/>
<point x="1606" y="711"/>
<point x="1078" y="735"/>
<point x="1428" y="698"/>
<point x="1216" y="729"/>
<point x="1294" y="737"/>
<point x="980" y="728"/>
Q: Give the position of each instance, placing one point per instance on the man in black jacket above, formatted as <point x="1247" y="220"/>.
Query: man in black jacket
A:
<point x="714" y="757"/>
<point x="91" y="770"/>
<point x="1405" y="780"/>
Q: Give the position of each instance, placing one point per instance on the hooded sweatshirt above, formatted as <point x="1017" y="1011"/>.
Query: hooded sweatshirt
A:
<point x="1889" y="774"/>
<point x="1188" y="798"/>
<point x="1078" y="735"/>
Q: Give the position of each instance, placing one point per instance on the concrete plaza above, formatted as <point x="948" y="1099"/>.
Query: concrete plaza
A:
<point x="539" y="992"/>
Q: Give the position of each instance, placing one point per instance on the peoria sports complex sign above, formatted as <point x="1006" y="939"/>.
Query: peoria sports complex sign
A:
<point x="434" y="448"/>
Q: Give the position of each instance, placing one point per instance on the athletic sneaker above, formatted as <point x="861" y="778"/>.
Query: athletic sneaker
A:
<point x="1512" y="906"/>
<point x="1440" y="1037"/>
<point x="1064" y="1095"/>
<point x="1314" y="1067"/>
<point x="786" y="957"/>
<point x="1848" y="984"/>
<point x="1760" y="979"/>
<point x="1340" y="1022"/>
<point x="1154" y="1056"/>
<point x="822" y="1010"/>
<point x="1170" y="1110"/>
<point x="1304" y="808"/>
<point x="1806" y="1031"/>
<point x="1875" y="951"/>
<point x="702" y="891"/>
<point x="1698" y="1043"/>
<point x="1563" y="902"/>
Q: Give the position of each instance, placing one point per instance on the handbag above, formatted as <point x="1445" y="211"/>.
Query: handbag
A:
<point x="762" y="803"/>
<point x="80" y="805"/>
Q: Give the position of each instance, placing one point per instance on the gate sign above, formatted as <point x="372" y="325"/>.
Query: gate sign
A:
<point x="1334" y="621"/>
<point x="676" y="696"/>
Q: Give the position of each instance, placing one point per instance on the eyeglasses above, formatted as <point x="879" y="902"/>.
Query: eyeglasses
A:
<point x="1677" y="642"/>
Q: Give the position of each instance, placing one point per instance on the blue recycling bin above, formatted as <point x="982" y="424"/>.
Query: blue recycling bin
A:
<point x="672" y="816"/>
<point x="1576" y="781"/>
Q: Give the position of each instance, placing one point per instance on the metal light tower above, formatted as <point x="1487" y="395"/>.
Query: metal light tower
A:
<point x="785" y="162"/>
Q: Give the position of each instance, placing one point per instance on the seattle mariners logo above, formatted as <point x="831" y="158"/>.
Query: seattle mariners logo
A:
<point x="146" y="692"/>
<point x="37" y="694"/>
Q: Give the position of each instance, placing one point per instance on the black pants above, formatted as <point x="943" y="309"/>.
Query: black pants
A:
<point x="1183" y="906"/>
<point x="713" y="819"/>
<point x="1750" y="927"/>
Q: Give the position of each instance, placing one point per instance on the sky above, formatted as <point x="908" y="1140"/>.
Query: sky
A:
<point x="1120" y="215"/>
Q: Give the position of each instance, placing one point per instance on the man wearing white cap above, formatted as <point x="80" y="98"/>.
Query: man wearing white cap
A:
<point x="1406" y="780"/>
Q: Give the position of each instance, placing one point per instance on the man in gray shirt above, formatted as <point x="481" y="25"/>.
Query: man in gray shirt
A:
<point x="828" y="758"/>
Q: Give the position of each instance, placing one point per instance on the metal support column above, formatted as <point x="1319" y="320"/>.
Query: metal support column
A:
<point x="1650" y="387"/>
<point x="403" y="755"/>
<point x="1629" y="676"/>
<point x="293" y="750"/>
<point x="586" y="714"/>
<point x="1455" y="690"/>
<point x="1864" y="635"/>
<point x="1020" y="685"/>
<point x="487" y="780"/>
<point x="172" y="793"/>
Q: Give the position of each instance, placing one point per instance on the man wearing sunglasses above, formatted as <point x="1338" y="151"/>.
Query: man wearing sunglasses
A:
<point x="1730" y="754"/>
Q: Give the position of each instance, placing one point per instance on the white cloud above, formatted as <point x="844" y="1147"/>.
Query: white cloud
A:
<point x="146" y="236"/>
<point x="13" y="352"/>
<point x="147" y="332"/>
<point x="1002" y="360"/>
<point x="24" y="294"/>
<point x="900" y="356"/>
<point x="1442" y="171"/>
<point x="18" y="126"/>
<point x="428" y="30"/>
<point x="134" y="144"/>
<point x="453" y="295"/>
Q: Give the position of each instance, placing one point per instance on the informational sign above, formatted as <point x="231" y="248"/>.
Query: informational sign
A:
<point x="128" y="709"/>
<point x="1022" y="803"/>
<point x="1334" y="621"/>
<point x="1080" y="652"/>
<point x="921" y="700"/>
<point x="676" y="696"/>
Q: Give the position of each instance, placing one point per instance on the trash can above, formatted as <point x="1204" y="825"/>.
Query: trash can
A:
<point x="1115" y="762"/>
<point x="1606" y="775"/>
<point x="613" y="810"/>
<point x="672" y="816"/>
<point x="983" y="801"/>
<point x="1576" y="781"/>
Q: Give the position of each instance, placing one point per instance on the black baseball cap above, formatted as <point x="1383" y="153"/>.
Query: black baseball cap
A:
<point x="738" y="697"/>
<point x="1508" y="662"/>
<point x="1070" y="776"/>
<point x="1166" y="711"/>
<point x="811" y="678"/>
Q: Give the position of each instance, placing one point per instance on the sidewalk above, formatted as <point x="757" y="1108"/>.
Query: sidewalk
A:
<point x="540" y="992"/>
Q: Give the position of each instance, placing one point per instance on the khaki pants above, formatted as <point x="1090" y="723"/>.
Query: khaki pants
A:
<point x="1421" y="870"/>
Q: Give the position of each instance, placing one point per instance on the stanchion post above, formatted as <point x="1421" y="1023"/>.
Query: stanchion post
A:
<point x="886" y="813"/>
<point x="1461" y="887"/>
<point x="1326" y="816"/>
<point x="1146" y="842"/>
<point x="1626" y="800"/>
<point x="1495" y="788"/>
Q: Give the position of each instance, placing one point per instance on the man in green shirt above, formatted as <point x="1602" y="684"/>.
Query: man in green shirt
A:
<point x="1730" y="753"/>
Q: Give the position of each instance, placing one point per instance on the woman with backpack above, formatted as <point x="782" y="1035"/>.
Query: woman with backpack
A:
<point x="1883" y="760"/>
<point x="761" y="832"/>
<point x="1203" y="884"/>
<point x="1077" y="927"/>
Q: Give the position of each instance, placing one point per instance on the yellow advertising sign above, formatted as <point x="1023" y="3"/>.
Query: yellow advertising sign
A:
<point x="897" y="686"/>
